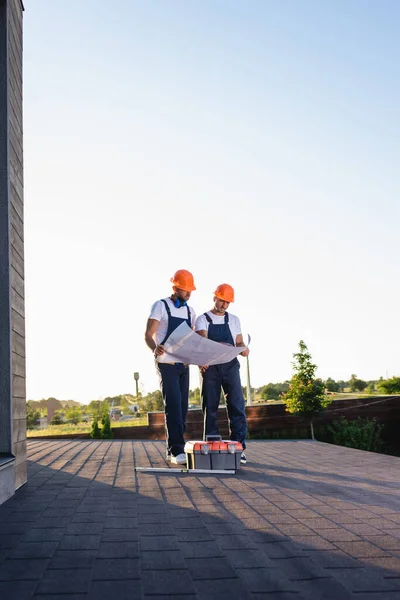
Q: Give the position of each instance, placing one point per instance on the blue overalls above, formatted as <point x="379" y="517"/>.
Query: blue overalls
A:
<point x="225" y="376"/>
<point x="174" y="383"/>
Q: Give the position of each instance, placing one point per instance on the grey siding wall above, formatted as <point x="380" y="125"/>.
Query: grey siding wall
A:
<point x="5" y="309"/>
<point x="12" y="309"/>
<point x="17" y="239"/>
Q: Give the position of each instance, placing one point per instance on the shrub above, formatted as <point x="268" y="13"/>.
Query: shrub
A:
<point x="57" y="419"/>
<point x="280" y="434"/>
<point x="389" y="386"/>
<point x="106" y="432"/>
<point x="95" y="432"/>
<point x="32" y="417"/>
<point x="363" y="434"/>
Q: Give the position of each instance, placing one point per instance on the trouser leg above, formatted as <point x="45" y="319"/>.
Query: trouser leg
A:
<point x="232" y="387"/>
<point x="184" y="388"/>
<point x="175" y="417"/>
<point x="210" y="395"/>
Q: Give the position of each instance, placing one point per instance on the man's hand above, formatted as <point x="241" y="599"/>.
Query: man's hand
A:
<point x="158" y="350"/>
<point x="240" y="342"/>
<point x="203" y="369"/>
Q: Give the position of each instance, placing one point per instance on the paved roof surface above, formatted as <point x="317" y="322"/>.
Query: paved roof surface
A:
<point x="302" y="520"/>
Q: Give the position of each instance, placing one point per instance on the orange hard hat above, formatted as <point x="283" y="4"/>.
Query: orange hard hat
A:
<point x="225" y="292"/>
<point x="183" y="280"/>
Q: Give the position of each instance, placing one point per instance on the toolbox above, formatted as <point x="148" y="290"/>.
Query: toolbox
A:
<point x="214" y="454"/>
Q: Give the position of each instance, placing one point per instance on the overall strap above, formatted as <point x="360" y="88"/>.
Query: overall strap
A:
<point x="189" y="318"/>
<point x="226" y="320"/>
<point x="169" y="322"/>
<point x="167" y="308"/>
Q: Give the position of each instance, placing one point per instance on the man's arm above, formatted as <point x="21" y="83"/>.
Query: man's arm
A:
<point x="151" y="328"/>
<point x="203" y="333"/>
<point x="192" y="318"/>
<point x="240" y="342"/>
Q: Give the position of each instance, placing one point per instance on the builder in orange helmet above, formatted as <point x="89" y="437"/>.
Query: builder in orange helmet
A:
<point x="221" y="326"/>
<point x="165" y="316"/>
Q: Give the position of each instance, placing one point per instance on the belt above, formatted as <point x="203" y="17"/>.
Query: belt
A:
<point x="176" y="363"/>
<point x="172" y="363"/>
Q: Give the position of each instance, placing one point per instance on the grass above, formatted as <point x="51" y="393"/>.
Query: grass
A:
<point x="81" y="427"/>
<point x="132" y="423"/>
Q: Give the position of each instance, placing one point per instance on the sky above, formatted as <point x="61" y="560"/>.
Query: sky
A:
<point x="253" y="143"/>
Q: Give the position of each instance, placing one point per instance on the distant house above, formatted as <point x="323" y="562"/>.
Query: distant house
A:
<point x="44" y="422"/>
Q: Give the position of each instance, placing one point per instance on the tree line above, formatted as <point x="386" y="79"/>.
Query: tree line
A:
<point x="76" y="412"/>
<point x="274" y="391"/>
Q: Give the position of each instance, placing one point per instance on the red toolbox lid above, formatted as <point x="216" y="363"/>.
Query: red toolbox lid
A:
<point x="239" y="447"/>
<point x="217" y="446"/>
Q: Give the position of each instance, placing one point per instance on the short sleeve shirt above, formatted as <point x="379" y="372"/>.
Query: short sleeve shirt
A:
<point x="234" y="323"/>
<point x="159" y="313"/>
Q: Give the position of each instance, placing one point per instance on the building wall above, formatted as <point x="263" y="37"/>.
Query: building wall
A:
<point x="5" y="314"/>
<point x="12" y="309"/>
<point x="15" y="10"/>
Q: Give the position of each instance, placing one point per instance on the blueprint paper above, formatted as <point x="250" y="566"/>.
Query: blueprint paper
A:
<point x="190" y="348"/>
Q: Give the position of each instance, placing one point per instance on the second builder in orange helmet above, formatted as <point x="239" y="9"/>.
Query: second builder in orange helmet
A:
<point x="223" y="327"/>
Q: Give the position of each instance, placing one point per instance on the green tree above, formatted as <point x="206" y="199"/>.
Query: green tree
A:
<point x="268" y="392"/>
<point x="389" y="386"/>
<point x="151" y="402"/>
<point x="95" y="432"/>
<point x="114" y="401"/>
<point x="331" y="385"/>
<point x="357" y="385"/>
<point x="194" y="396"/>
<point x="95" y="407"/>
<point x="32" y="415"/>
<point x="273" y="391"/>
<point x="341" y="385"/>
<point x="74" y="415"/>
<point x="57" y="419"/>
<point x="106" y="431"/>
<point x="306" y="394"/>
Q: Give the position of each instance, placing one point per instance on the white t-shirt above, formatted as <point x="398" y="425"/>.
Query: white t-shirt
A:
<point x="159" y="313"/>
<point x="234" y="323"/>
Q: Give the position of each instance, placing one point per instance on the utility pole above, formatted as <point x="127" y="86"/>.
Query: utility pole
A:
<point x="249" y="401"/>
<point x="136" y="378"/>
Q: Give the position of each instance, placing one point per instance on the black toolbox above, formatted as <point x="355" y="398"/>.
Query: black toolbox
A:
<point x="213" y="454"/>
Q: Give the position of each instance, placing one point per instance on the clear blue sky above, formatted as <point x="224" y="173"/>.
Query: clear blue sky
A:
<point x="254" y="143"/>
